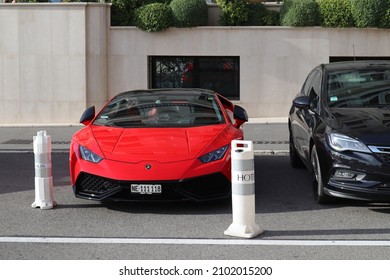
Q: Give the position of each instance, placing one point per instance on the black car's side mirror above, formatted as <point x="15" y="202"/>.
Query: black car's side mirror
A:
<point x="88" y="115"/>
<point x="302" y="102"/>
<point x="240" y="115"/>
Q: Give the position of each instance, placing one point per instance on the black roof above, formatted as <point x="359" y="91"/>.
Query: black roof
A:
<point x="356" y="64"/>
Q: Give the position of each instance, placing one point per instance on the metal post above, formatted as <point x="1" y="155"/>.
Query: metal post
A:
<point x="243" y="191"/>
<point x="44" y="197"/>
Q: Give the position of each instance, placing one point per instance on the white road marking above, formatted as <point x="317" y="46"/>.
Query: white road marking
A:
<point x="172" y="241"/>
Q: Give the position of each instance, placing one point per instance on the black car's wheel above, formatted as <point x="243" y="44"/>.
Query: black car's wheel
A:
<point x="318" y="185"/>
<point x="295" y="160"/>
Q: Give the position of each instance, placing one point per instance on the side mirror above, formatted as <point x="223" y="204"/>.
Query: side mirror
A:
<point x="302" y="102"/>
<point x="240" y="115"/>
<point x="88" y="115"/>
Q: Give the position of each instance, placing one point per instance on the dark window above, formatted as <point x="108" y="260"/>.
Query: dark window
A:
<point x="315" y="90"/>
<point x="307" y="84"/>
<point x="312" y="87"/>
<point x="220" y="74"/>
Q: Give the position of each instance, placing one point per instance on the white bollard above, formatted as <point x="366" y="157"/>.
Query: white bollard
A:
<point x="44" y="197"/>
<point x="243" y="191"/>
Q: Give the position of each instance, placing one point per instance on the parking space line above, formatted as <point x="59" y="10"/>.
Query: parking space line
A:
<point x="188" y="241"/>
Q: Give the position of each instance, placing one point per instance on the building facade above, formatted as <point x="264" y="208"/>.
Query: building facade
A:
<point x="58" y="59"/>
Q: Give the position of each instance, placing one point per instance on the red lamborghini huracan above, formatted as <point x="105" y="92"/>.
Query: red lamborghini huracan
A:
<point x="162" y="144"/>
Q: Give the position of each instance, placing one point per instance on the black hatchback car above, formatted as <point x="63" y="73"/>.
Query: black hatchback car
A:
<point x="339" y="128"/>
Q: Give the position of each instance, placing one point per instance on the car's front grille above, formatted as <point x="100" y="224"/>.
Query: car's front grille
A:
<point x="384" y="187"/>
<point x="207" y="187"/>
<point x="384" y="158"/>
<point x="96" y="185"/>
<point x="381" y="153"/>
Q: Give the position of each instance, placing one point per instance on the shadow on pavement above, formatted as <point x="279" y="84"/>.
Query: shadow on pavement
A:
<point x="279" y="188"/>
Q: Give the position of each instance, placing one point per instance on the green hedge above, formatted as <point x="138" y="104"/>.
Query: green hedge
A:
<point x="153" y="17"/>
<point x="233" y="12"/>
<point x="336" y="13"/>
<point x="123" y="11"/>
<point x="189" y="13"/>
<point x="385" y="23"/>
<point x="259" y="15"/>
<point x="272" y="18"/>
<point x="300" y="13"/>
<point x="239" y="13"/>
<point x="369" y="13"/>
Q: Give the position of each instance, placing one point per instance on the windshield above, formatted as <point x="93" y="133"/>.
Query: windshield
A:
<point x="148" y="109"/>
<point x="359" y="88"/>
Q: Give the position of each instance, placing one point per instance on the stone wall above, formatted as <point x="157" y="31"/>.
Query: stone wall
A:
<point x="52" y="61"/>
<point x="274" y="61"/>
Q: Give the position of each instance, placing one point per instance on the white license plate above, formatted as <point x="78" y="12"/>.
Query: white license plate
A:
<point x="145" y="188"/>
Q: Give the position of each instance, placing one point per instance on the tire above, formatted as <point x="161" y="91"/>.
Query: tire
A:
<point x="318" y="185"/>
<point x="295" y="160"/>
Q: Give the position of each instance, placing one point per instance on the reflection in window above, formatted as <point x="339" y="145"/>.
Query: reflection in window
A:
<point x="359" y="88"/>
<point x="220" y="74"/>
<point x="161" y="109"/>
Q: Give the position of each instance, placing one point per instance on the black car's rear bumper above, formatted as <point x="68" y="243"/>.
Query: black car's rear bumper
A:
<point x="209" y="187"/>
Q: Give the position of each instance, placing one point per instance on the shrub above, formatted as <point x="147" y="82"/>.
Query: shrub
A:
<point x="369" y="13"/>
<point x="233" y="12"/>
<point x="153" y="17"/>
<point x="284" y="8"/>
<point x="335" y="13"/>
<point x="189" y="13"/>
<point x="123" y="11"/>
<point x="257" y="13"/>
<point x="385" y="23"/>
<point x="299" y="13"/>
<point x="272" y="18"/>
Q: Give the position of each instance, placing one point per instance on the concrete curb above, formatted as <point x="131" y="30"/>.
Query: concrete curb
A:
<point x="271" y="152"/>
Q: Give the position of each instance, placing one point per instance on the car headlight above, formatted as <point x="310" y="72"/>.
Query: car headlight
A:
<point x="88" y="155"/>
<point x="340" y="142"/>
<point x="214" y="155"/>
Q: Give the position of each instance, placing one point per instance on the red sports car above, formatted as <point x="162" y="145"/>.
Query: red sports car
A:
<point x="164" y="144"/>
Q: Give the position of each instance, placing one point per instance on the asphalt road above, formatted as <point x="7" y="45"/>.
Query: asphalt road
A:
<point x="285" y="210"/>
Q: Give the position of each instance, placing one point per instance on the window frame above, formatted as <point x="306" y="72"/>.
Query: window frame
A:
<point x="232" y="92"/>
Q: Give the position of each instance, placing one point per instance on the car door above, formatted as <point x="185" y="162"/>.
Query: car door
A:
<point x="304" y="119"/>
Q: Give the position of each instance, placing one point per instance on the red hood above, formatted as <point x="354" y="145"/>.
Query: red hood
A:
<point x="157" y="144"/>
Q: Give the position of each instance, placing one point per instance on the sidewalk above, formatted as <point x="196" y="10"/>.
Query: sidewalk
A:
<point x="268" y="138"/>
<point x="20" y="138"/>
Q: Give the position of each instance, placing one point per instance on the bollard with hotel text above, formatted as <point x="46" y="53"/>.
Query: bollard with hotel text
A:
<point x="243" y="191"/>
<point x="44" y="197"/>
